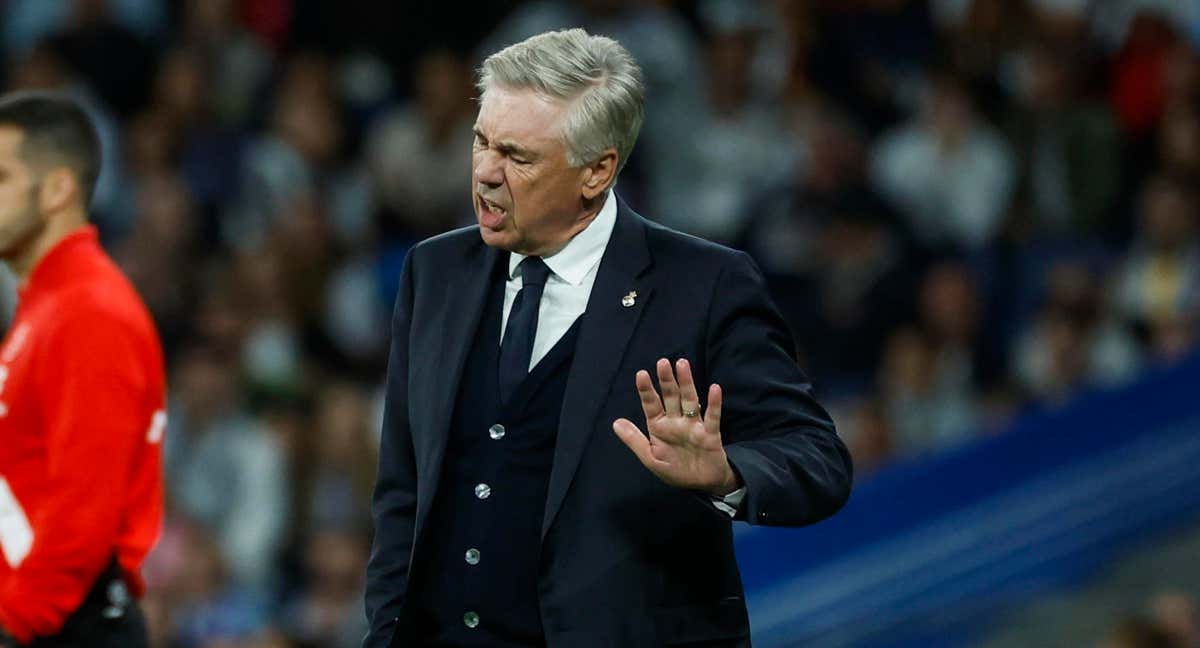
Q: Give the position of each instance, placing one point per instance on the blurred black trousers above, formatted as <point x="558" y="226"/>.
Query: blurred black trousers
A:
<point x="108" y="618"/>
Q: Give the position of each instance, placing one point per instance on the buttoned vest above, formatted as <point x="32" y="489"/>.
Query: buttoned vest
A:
<point x="476" y="584"/>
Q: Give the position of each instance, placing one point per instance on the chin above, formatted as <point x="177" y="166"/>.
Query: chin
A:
<point x="501" y="239"/>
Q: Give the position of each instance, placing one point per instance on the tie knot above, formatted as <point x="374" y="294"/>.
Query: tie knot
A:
<point x="534" y="272"/>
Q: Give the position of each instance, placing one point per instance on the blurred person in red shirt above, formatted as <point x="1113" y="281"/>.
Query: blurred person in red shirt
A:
<point x="82" y="394"/>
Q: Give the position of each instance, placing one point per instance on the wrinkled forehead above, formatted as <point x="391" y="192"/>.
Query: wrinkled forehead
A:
<point x="522" y="117"/>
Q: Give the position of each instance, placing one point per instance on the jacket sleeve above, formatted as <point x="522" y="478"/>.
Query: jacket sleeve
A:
<point x="92" y="393"/>
<point x="777" y="437"/>
<point x="394" y="503"/>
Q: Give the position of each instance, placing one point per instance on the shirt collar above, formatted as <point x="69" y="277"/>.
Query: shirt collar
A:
<point x="58" y="266"/>
<point x="573" y="263"/>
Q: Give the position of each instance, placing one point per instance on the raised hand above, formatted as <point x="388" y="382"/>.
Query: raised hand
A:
<point x="683" y="447"/>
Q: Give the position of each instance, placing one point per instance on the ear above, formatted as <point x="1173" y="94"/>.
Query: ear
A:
<point x="598" y="175"/>
<point x="59" y="189"/>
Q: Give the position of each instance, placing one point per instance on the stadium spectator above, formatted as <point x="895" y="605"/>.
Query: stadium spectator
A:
<point x="949" y="173"/>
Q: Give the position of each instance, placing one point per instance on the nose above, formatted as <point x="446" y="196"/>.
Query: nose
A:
<point x="488" y="169"/>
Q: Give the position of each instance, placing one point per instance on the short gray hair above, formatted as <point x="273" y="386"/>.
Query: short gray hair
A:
<point x="595" y="73"/>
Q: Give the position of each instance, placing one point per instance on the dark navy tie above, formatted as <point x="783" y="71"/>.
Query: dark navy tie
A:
<point x="517" y="346"/>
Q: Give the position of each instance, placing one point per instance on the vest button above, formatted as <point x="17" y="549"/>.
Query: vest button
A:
<point x="470" y="619"/>
<point x="472" y="556"/>
<point x="496" y="431"/>
<point x="483" y="491"/>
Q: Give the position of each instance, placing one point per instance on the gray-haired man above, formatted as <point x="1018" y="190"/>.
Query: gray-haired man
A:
<point x="536" y="488"/>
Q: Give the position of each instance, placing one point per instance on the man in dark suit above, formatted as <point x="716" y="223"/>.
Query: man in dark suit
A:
<point x="536" y="488"/>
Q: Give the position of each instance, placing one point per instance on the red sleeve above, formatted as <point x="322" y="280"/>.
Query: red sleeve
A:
<point x="91" y="384"/>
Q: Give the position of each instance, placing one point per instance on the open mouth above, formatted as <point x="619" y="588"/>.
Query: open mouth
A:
<point x="492" y="207"/>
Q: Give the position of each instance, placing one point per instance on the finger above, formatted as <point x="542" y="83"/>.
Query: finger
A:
<point x="712" y="417"/>
<point x="651" y="405"/>
<point x="632" y="437"/>
<point x="670" y="389"/>
<point x="688" y="398"/>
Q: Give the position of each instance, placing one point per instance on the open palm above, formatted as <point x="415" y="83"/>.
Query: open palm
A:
<point x="683" y="447"/>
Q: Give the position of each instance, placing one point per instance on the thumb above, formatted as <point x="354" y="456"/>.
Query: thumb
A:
<point x="631" y="436"/>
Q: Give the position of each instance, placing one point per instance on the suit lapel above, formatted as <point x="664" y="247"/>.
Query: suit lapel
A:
<point x="604" y="332"/>
<point x="451" y="335"/>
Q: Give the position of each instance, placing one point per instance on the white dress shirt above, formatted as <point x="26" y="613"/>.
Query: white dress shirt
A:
<point x="565" y="297"/>
<point x="572" y="273"/>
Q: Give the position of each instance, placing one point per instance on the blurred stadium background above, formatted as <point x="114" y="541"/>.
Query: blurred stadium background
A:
<point x="978" y="216"/>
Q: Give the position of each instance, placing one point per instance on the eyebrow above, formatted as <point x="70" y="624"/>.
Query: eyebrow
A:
<point x="508" y="147"/>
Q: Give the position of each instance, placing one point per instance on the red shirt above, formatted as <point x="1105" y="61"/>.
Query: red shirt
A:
<point x="82" y="396"/>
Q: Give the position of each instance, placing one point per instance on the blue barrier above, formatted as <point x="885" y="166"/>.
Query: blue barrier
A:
<point x="928" y="551"/>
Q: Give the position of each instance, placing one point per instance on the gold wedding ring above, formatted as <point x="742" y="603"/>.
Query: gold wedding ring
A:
<point x="691" y="413"/>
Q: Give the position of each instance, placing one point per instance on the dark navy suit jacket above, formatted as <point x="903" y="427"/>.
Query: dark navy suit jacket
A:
<point x="626" y="561"/>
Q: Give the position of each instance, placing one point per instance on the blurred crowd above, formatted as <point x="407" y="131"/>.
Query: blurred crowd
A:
<point x="1171" y="620"/>
<point x="966" y="209"/>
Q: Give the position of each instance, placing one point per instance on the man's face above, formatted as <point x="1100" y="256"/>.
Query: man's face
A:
<point x="19" y="217"/>
<point x="527" y="197"/>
